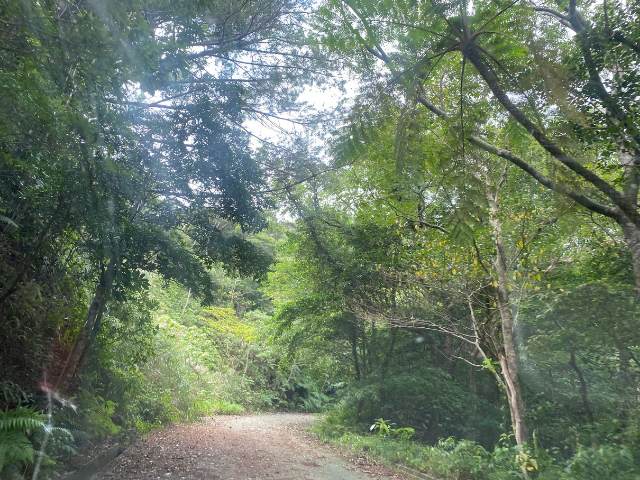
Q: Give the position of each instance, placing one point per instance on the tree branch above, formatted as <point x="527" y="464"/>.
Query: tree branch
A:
<point x="544" y="180"/>
<point x="574" y="165"/>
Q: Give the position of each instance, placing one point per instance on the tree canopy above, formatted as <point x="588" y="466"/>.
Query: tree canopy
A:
<point x="453" y="249"/>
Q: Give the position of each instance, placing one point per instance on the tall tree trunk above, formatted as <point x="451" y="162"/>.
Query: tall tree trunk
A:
<point x="74" y="363"/>
<point x="508" y="359"/>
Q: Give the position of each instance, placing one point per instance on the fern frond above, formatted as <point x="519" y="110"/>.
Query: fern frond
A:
<point x="21" y="419"/>
<point x="15" y="447"/>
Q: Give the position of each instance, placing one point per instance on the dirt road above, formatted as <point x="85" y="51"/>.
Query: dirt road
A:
<point x="246" y="447"/>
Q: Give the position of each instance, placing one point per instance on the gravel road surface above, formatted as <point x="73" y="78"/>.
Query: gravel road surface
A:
<point x="244" y="447"/>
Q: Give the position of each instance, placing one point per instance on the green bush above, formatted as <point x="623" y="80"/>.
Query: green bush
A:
<point x="467" y="460"/>
<point x="607" y="462"/>
<point x="225" y="408"/>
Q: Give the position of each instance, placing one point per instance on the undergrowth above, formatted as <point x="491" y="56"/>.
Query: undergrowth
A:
<point x="156" y="360"/>
<point x="452" y="459"/>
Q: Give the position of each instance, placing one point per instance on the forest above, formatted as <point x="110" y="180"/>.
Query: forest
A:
<point x="417" y="217"/>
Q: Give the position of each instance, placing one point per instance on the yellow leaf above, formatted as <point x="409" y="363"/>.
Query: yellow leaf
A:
<point x="520" y="243"/>
<point x="453" y="271"/>
<point x="495" y="304"/>
<point x="548" y="285"/>
<point x="475" y="261"/>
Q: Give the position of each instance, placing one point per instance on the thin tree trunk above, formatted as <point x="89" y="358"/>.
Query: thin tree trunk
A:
<point x="373" y="357"/>
<point x="354" y="351"/>
<point x="387" y="359"/>
<point x="582" y="389"/>
<point x="365" y="354"/>
<point x="385" y="365"/>
<point x="185" y="305"/>
<point x="74" y="362"/>
<point x="246" y="364"/>
<point x="584" y="397"/>
<point x="508" y="359"/>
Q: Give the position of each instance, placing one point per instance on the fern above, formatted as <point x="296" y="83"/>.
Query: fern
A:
<point x="21" y="419"/>
<point x="16" y="448"/>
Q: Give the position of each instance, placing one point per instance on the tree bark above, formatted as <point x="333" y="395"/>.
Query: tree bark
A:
<point x="508" y="359"/>
<point x="632" y="236"/>
<point x="65" y="384"/>
<point x="628" y="209"/>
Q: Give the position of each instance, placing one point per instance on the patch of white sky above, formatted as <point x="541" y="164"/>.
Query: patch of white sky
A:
<point x="321" y="100"/>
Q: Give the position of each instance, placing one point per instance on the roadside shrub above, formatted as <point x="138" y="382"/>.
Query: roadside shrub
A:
<point x="467" y="460"/>
<point x="225" y="408"/>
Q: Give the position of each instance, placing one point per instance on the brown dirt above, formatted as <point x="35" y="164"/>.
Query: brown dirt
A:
<point x="247" y="447"/>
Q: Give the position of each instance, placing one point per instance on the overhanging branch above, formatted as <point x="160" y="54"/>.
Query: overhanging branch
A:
<point x="544" y="180"/>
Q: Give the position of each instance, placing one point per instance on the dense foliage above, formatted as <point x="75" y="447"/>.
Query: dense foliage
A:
<point x="453" y="272"/>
